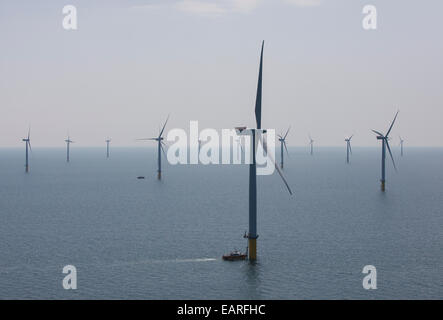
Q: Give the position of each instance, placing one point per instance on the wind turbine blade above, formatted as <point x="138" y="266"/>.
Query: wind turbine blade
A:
<point x="284" y="143"/>
<point x="265" y="149"/>
<point x="29" y="132"/>
<point x="392" y="124"/>
<point x="240" y="142"/>
<point x="390" y="153"/>
<point x="376" y="132"/>
<point x="350" y="137"/>
<point x="29" y="144"/>
<point x="161" y="147"/>
<point x="147" y="139"/>
<point x="259" y="90"/>
<point x="163" y="129"/>
<point x="286" y="134"/>
<point x="350" y="149"/>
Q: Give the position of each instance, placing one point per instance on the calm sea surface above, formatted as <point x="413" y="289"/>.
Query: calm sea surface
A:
<point x="145" y="239"/>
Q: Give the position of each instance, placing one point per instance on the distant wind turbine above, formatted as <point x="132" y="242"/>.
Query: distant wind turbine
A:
<point x="107" y="147"/>
<point x="348" y="148"/>
<point x="256" y="133"/>
<point x="28" y="145"/>
<point x="68" y="142"/>
<point x="282" y="140"/>
<point x="311" y="143"/>
<point x="239" y="144"/>
<point x="160" y="142"/>
<point x="401" y="145"/>
<point x="385" y="144"/>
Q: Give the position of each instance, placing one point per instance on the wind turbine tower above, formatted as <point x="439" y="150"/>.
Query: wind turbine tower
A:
<point x="348" y="148"/>
<point x="311" y="143"/>
<point x="28" y="148"/>
<point x="282" y="140"/>
<point x="68" y="142"/>
<point x="107" y="147"/>
<point x="401" y="146"/>
<point x="385" y="144"/>
<point x="160" y="149"/>
<point x="255" y="137"/>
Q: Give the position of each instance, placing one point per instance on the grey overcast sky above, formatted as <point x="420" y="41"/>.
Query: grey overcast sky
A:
<point x="131" y="62"/>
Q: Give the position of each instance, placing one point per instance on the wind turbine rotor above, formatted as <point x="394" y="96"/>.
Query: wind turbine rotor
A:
<point x="392" y="124"/>
<point x="144" y="139"/>
<point x="161" y="147"/>
<point x="265" y="149"/>
<point x="286" y="134"/>
<point x="284" y="143"/>
<point x="259" y="90"/>
<point x="390" y="153"/>
<point x="163" y="129"/>
<point x="378" y="133"/>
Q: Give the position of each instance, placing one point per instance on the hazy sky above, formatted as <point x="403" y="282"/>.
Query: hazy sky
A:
<point x="130" y="63"/>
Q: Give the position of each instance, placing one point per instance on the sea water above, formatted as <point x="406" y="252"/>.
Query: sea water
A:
<point x="132" y="238"/>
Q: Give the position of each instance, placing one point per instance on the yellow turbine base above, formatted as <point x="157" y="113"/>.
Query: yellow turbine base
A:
<point x="383" y="186"/>
<point x="159" y="175"/>
<point x="252" y="250"/>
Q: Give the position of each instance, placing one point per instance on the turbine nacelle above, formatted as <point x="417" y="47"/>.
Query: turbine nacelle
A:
<point x="244" y="131"/>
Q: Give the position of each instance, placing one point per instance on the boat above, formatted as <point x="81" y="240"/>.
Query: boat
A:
<point x="235" y="255"/>
<point x="140" y="177"/>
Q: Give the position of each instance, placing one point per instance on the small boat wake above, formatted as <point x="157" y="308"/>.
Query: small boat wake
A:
<point x="159" y="261"/>
<point x="195" y="260"/>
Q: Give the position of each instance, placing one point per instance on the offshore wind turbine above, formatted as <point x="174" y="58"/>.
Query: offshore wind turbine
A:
<point x="28" y="146"/>
<point x="68" y="142"/>
<point x="401" y="145"/>
<point x="239" y="144"/>
<point x="107" y="147"/>
<point x="160" y="149"/>
<point x="282" y="140"/>
<point x="348" y="148"/>
<point x="385" y="144"/>
<point x="255" y="136"/>
<point x="311" y="143"/>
